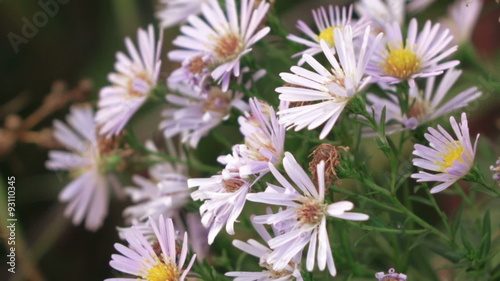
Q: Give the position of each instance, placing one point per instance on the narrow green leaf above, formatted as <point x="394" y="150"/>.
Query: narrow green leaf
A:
<point x="465" y="240"/>
<point x="484" y="248"/>
<point x="457" y="221"/>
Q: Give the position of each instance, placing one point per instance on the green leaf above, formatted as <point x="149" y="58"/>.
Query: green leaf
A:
<point x="382" y="120"/>
<point x="465" y="240"/>
<point x="362" y="238"/>
<point x="484" y="248"/>
<point x="418" y="241"/>
<point x="483" y="190"/>
<point x="456" y="221"/>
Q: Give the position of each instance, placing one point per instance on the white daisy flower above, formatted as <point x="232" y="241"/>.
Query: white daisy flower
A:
<point x="197" y="113"/>
<point x="256" y="249"/>
<point x="423" y="105"/>
<point x="173" y="12"/>
<point x="326" y="23"/>
<point x="461" y="19"/>
<point x="227" y="37"/>
<point x="305" y="205"/>
<point x="416" y="56"/>
<point x="264" y="141"/>
<point x="451" y="158"/>
<point x="151" y="262"/>
<point x="224" y="200"/>
<point x="165" y="191"/>
<point x="326" y="91"/>
<point x="132" y="84"/>
<point x="87" y="195"/>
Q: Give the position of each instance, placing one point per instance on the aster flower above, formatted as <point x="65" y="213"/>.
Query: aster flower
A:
<point x="307" y="208"/>
<point x="224" y="200"/>
<point x="255" y="248"/>
<point x="197" y="113"/>
<point x="416" y="6"/>
<point x="165" y="190"/>
<point x="417" y="56"/>
<point x="132" y="84"/>
<point x="326" y="92"/>
<point x="326" y="23"/>
<point x="461" y="19"/>
<point x="264" y="141"/>
<point x="381" y="12"/>
<point x="87" y="194"/>
<point x="390" y="276"/>
<point x="158" y="261"/>
<point x="496" y="169"/>
<point x="424" y="105"/>
<point x="227" y="37"/>
<point x="451" y="158"/>
<point x="194" y="71"/>
<point x="173" y="12"/>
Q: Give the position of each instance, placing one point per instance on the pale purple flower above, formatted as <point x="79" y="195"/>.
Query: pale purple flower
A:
<point x="305" y="205"/>
<point x="136" y="77"/>
<point x="173" y="12"/>
<point x="157" y="261"/>
<point x="224" y="200"/>
<point x="424" y="105"/>
<point x="87" y="194"/>
<point x="451" y="158"/>
<point x="326" y="22"/>
<point x="496" y="169"/>
<point x="226" y="37"/>
<point x="381" y="12"/>
<point x="326" y="91"/>
<point x="418" y="55"/>
<point x="163" y="192"/>
<point x="461" y="19"/>
<point x="196" y="113"/>
<point x="392" y="275"/>
<point x="194" y="71"/>
<point x="289" y="273"/>
<point x="417" y="6"/>
<point x="264" y="141"/>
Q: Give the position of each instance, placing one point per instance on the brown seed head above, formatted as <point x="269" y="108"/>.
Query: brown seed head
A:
<point x="331" y="155"/>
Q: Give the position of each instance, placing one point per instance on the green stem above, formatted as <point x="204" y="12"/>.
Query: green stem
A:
<point x="441" y="214"/>
<point x="420" y="221"/>
<point x="387" y="230"/>
<point x="368" y="199"/>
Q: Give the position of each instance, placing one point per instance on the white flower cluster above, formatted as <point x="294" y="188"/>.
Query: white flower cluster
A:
<point x="341" y="58"/>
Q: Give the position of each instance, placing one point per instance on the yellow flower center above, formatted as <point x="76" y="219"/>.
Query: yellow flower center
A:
<point x="162" y="272"/>
<point x="454" y="152"/>
<point x="328" y="35"/>
<point x="228" y="47"/>
<point x="401" y="63"/>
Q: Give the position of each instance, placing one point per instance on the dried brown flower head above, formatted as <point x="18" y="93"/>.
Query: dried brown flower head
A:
<point x="331" y="155"/>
